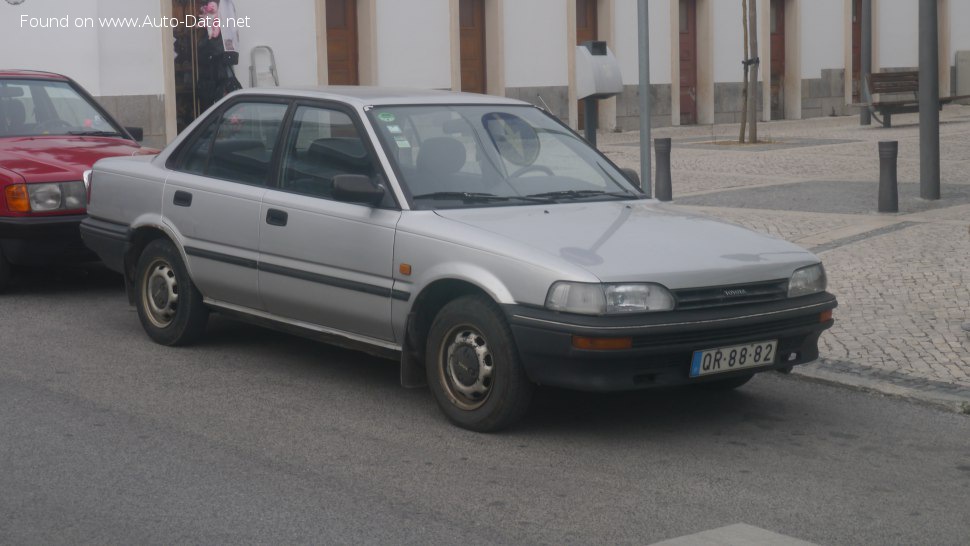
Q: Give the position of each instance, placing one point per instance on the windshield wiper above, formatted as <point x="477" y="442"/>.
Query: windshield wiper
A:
<point x="471" y="197"/>
<point x="94" y="133"/>
<point x="578" y="194"/>
<point x="462" y="196"/>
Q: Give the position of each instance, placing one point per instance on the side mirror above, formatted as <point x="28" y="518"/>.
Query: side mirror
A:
<point x="633" y="177"/>
<point x="357" y="188"/>
<point x="136" y="133"/>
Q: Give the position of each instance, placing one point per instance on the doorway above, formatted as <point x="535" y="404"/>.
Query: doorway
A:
<point x="471" y="28"/>
<point x="587" y="30"/>
<point x="188" y="100"/>
<point x="777" y="29"/>
<point x="342" y="43"/>
<point x="688" y="62"/>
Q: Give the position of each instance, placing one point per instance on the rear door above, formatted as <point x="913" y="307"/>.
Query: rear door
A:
<point x="322" y="261"/>
<point x="212" y="198"/>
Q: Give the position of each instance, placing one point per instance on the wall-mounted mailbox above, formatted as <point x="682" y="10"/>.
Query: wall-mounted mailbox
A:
<point x="597" y="72"/>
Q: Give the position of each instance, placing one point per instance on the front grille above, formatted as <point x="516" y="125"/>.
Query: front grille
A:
<point x="714" y="337"/>
<point x="738" y="294"/>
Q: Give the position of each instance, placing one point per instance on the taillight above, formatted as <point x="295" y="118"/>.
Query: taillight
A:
<point x="18" y="200"/>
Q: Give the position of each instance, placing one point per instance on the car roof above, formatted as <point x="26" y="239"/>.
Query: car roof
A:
<point x="377" y="96"/>
<point x="32" y="74"/>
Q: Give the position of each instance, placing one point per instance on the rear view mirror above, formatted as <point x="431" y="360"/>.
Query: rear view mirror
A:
<point x="136" y="133"/>
<point x="357" y="188"/>
<point x="633" y="177"/>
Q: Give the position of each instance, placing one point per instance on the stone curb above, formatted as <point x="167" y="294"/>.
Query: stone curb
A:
<point x="948" y="396"/>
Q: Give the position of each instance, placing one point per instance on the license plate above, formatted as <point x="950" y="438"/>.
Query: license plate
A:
<point x="735" y="357"/>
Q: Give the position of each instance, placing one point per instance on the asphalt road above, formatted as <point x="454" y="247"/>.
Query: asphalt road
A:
<point x="259" y="437"/>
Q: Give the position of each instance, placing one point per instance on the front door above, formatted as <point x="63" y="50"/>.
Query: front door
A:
<point x="326" y="262"/>
<point x="212" y="199"/>
<point x="777" y="59"/>
<point x="342" y="45"/>
<point x="688" y="62"/>
<point x="586" y="31"/>
<point x="471" y="25"/>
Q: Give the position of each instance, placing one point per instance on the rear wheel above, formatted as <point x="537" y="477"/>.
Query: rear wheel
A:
<point x="169" y="306"/>
<point x="473" y="366"/>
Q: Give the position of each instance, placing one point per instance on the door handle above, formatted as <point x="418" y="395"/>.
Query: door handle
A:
<point x="275" y="217"/>
<point x="182" y="199"/>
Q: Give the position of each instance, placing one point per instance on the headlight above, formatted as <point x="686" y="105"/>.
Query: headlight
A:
<point x="807" y="280"/>
<point x="60" y="196"/>
<point x="608" y="299"/>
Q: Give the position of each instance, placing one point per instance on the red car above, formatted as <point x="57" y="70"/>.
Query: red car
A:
<point x="51" y="132"/>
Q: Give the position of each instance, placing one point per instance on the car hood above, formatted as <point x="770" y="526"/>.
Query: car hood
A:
<point x="641" y="241"/>
<point x="60" y="159"/>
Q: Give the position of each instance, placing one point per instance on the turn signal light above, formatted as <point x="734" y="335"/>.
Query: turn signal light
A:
<point x="602" y="343"/>
<point x="826" y="316"/>
<point x="17" y="198"/>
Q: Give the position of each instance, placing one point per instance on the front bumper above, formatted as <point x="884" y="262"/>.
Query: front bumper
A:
<point x="43" y="240"/>
<point x="663" y="343"/>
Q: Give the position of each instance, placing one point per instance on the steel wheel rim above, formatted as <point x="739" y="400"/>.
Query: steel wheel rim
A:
<point x="160" y="294"/>
<point x="467" y="368"/>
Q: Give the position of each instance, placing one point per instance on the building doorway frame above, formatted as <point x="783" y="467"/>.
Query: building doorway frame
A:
<point x="705" y="62"/>
<point x="792" y="81"/>
<point x="366" y="42"/>
<point x="494" y="46"/>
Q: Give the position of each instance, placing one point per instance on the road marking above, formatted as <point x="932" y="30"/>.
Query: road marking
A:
<point x="739" y="534"/>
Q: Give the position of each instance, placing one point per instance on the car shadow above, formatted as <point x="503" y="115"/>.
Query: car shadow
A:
<point x="64" y="278"/>
<point x="553" y="412"/>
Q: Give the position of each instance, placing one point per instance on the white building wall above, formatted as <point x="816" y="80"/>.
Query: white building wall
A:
<point x="898" y="41"/>
<point x="958" y="22"/>
<point x="822" y="36"/>
<point x="130" y="58"/>
<point x="290" y="29"/>
<point x="729" y="41"/>
<point x="413" y="43"/>
<point x="70" y="51"/>
<point x="536" y="43"/>
<point x="627" y="48"/>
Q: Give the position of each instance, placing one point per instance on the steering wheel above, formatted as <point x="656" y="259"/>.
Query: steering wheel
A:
<point x="541" y="168"/>
<point x="52" y="124"/>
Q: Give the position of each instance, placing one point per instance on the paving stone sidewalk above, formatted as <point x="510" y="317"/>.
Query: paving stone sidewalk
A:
<point x="903" y="279"/>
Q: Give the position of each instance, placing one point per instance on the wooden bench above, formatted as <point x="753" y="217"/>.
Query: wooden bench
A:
<point x="896" y="83"/>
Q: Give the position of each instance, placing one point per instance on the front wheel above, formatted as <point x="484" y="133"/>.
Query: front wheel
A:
<point x="169" y="306"/>
<point x="473" y="366"/>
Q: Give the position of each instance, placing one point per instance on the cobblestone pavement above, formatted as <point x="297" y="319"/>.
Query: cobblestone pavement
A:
<point x="903" y="280"/>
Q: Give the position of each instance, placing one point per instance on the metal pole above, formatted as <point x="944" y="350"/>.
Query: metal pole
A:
<point x="865" y="68"/>
<point x="589" y="104"/>
<point x="665" y="190"/>
<point x="888" y="188"/>
<point x="929" y="101"/>
<point x="644" y="33"/>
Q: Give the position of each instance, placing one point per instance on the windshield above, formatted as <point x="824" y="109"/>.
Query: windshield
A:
<point x="454" y="156"/>
<point x="42" y="107"/>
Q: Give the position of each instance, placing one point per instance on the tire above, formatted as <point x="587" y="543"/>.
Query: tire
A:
<point x="4" y="273"/>
<point x="169" y="306"/>
<point x="728" y="384"/>
<point x="473" y="366"/>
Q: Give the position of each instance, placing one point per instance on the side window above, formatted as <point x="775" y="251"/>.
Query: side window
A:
<point x="239" y="146"/>
<point x="322" y="144"/>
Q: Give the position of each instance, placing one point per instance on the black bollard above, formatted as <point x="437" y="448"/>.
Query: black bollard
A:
<point x="592" y="119"/>
<point x="661" y="147"/>
<point x="888" y="189"/>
